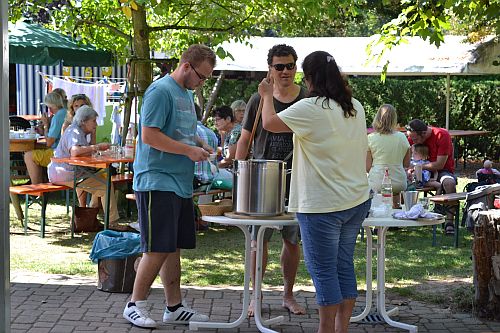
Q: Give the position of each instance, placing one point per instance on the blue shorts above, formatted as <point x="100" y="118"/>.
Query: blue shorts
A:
<point x="328" y="241"/>
<point x="166" y="221"/>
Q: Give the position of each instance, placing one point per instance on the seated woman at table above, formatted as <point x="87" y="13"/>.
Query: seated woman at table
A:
<point x="74" y="103"/>
<point x="74" y="143"/>
<point x="387" y="147"/>
<point x="38" y="159"/>
<point x="224" y="122"/>
<point x="63" y="95"/>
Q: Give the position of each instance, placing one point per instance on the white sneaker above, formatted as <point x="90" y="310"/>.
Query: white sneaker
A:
<point x="138" y="315"/>
<point x="183" y="315"/>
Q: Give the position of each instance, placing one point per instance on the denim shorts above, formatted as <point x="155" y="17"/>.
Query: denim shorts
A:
<point x="328" y="241"/>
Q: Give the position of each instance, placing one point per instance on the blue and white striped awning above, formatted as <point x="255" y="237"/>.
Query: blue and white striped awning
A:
<point x="31" y="87"/>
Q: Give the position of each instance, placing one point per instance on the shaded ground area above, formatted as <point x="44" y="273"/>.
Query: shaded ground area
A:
<point x="70" y="304"/>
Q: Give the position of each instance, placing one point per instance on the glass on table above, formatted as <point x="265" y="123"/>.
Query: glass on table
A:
<point x="114" y="151"/>
<point x="424" y="201"/>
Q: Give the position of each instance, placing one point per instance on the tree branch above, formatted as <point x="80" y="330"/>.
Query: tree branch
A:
<point x="105" y="25"/>
<point x="187" y="27"/>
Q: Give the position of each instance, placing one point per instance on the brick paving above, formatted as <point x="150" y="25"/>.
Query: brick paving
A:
<point x="43" y="303"/>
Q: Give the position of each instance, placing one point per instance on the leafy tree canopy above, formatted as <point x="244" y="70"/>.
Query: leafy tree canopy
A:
<point x="431" y="20"/>
<point x="134" y="27"/>
<point x="172" y="25"/>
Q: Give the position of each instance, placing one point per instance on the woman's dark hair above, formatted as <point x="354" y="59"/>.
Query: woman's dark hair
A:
<point x="224" y="112"/>
<point x="322" y="72"/>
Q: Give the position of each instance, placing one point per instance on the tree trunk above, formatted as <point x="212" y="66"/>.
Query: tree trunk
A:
<point x="140" y="73"/>
<point x="142" y="50"/>
<point x="213" y="96"/>
<point x="486" y="260"/>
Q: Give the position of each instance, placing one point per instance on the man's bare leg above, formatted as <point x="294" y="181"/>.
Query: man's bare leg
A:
<point x="170" y="274"/>
<point x="148" y="269"/>
<point x="450" y="186"/>
<point x="290" y="257"/>
<point x="251" y="307"/>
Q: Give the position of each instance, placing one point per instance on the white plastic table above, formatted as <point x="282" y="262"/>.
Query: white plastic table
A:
<point x="243" y="225"/>
<point x="382" y="224"/>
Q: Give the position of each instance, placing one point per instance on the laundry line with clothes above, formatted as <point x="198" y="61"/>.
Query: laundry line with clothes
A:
<point x="99" y="92"/>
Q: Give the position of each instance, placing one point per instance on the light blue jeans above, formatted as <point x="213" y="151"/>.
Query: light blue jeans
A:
<point x="328" y="241"/>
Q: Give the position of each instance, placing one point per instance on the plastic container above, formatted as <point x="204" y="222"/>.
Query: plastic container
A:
<point x="386" y="191"/>
<point x="116" y="275"/>
<point x="115" y="254"/>
<point x="130" y="143"/>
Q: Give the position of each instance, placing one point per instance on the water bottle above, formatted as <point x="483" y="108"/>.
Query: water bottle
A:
<point x="386" y="191"/>
<point x="130" y="144"/>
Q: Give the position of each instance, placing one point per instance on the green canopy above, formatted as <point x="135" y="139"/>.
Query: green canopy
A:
<point x="33" y="44"/>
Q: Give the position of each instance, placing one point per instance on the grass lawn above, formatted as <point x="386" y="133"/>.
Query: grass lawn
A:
<point x="412" y="263"/>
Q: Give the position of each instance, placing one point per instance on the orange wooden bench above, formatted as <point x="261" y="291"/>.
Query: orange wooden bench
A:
<point x="122" y="178"/>
<point x="38" y="191"/>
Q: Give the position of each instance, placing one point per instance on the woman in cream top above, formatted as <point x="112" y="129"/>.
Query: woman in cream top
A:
<point x="387" y="147"/>
<point x="329" y="189"/>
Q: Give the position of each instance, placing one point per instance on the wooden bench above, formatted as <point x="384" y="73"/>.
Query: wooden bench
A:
<point x="37" y="190"/>
<point x="426" y="190"/>
<point x="451" y="204"/>
<point x="122" y="178"/>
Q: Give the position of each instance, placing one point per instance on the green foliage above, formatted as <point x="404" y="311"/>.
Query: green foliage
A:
<point x="431" y="20"/>
<point x="231" y="90"/>
<point x="474" y="103"/>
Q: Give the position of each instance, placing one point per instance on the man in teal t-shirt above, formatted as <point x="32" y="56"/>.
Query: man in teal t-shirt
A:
<point x="167" y="148"/>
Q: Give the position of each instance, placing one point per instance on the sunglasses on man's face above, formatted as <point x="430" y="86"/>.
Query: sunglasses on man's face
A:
<point x="281" y="67"/>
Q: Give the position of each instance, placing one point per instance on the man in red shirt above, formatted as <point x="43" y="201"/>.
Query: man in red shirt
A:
<point x="440" y="156"/>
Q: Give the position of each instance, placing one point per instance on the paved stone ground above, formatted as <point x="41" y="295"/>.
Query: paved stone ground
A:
<point x="69" y="304"/>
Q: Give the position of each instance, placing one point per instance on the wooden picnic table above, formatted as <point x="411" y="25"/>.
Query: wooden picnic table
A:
<point x="451" y="203"/>
<point x="98" y="162"/>
<point x="455" y="134"/>
<point x="21" y="146"/>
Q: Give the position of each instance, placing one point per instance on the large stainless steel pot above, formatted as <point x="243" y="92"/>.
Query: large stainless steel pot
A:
<point x="259" y="187"/>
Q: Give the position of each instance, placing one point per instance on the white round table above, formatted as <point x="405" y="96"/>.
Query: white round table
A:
<point x="243" y="225"/>
<point x="382" y="224"/>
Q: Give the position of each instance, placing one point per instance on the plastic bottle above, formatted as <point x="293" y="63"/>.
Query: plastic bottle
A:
<point x="130" y="143"/>
<point x="386" y="191"/>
